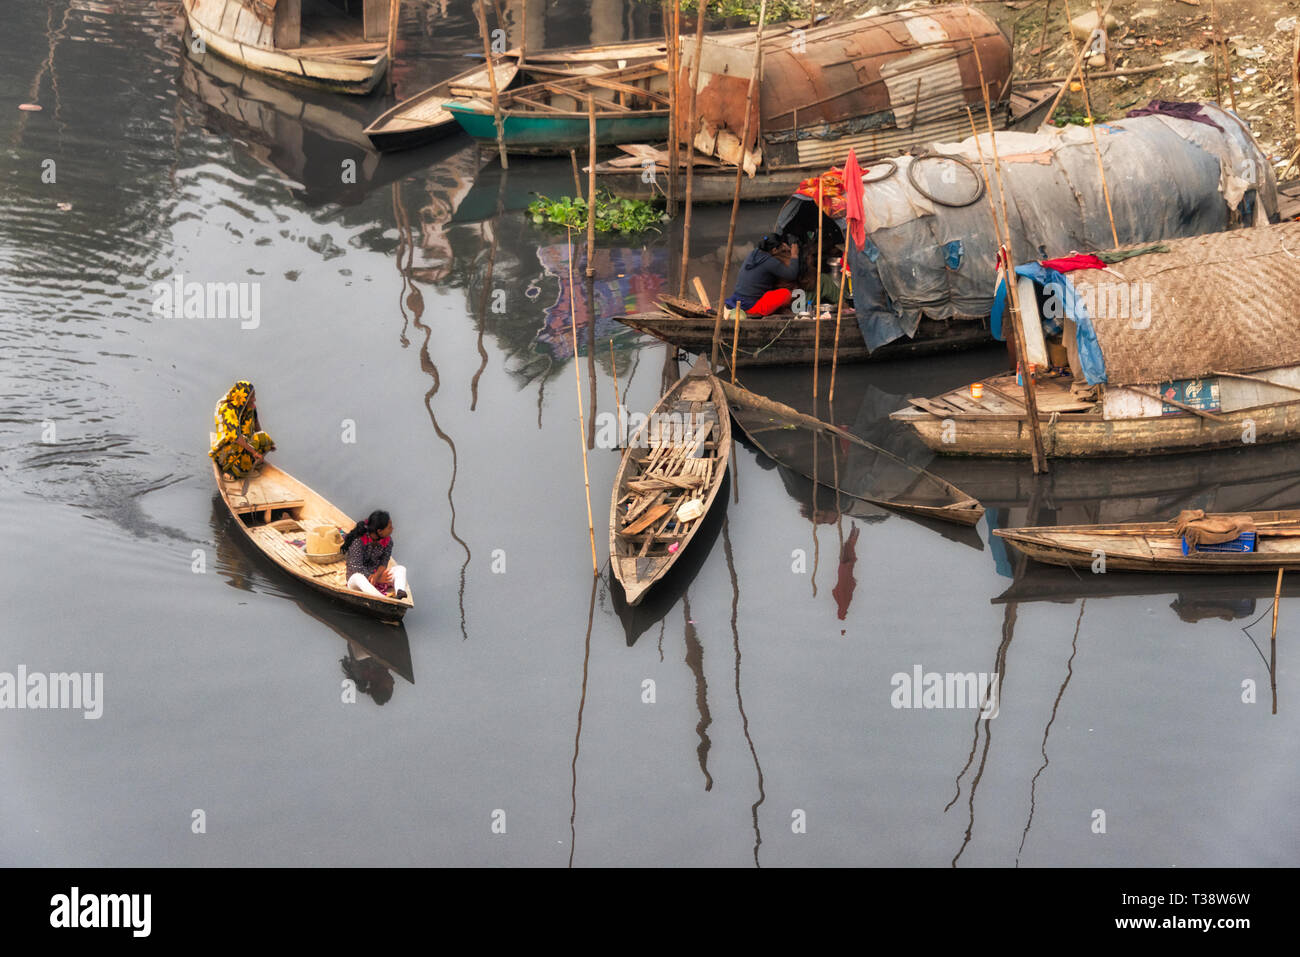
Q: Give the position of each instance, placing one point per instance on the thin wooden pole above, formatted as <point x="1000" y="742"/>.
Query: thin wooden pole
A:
<point x="1272" y="663"/>
<point x="817" y="294"/>
<point x="582" y="428"/>
<point x="839" y="311"/>
<point x="591" y="189"/>
<point x="1042" y="40"/>
<point x="1092" y="127"/>
<point x="690" y="148"/>
<point x="577" y="180"/>
<point x="755" y="67"/>
<point x="394" y="11"/>
<point x="672" y="24"/>
<point x="1295" y="82"/>
<point x="1223" y="47"/>
<point x="523" y="32"/>
<point x="492" y="82"/>
<point x="1078" y="60"/>
<point x="618" y="403"/>
<point x="1038" y="454"/>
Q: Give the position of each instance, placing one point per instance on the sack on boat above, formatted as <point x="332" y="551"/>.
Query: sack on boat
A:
<point x="1197" y="529"/>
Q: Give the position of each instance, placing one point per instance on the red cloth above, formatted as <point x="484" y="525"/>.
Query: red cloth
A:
<point x="831" y="192"/>
<point x="853" y="211"/>
<point x="770" y="302"/>
<point x="1070" y="263"/>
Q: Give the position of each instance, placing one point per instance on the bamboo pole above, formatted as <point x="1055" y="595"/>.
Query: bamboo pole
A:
<point x="755" y="68"/>
<point x="394" y="12"/>
<point x="1272" y="663"/>
<point x="1042" y="40"/>
<point x="492" y="83"/>
<point x="1039" y="455"/>
<point x="1295" y="83"/>
<point x="817" y="295"/>
<point x="618" y="403"/>
<point x="1078" y="60"/>
<point x="839" y="311"/>
<point x="1223" y="47"/>
<point x="582" y="428"/>
<point x="591" y="189"/>
<point x="523" y="33"/>
<point x="690" y="147"/>
<point x="1092" y="127"/>
<point x="672" y="26"/>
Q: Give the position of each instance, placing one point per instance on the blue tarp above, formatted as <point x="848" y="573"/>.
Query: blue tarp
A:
<point x="877" y="319"/>
<point x="1058" y="290"/>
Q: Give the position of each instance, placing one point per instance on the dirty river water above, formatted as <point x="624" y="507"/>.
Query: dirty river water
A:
<point x="745" y="715"/>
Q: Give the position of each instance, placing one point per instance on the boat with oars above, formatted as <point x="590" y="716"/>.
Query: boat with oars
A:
<point x="1194" y="542"/>
<point x="300" y="531"/>
<point x="668" y="480"/>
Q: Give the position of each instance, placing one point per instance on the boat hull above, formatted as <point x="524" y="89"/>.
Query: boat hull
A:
<point x="1156" y="547"/>
<point x="532" y="133"/>
<point x="1092" y="436"/>
<point x="357" y="75"/>
<point x="768" y="341"/>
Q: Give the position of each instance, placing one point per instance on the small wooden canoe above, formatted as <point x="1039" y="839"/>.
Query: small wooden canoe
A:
<point x="794" y="340"/>
<point x="861" y="471"/>
<point x="422" y="118"/>
<point x="275" y="511"/>
<point x="1157" y="547"/>
<point x="678" y="456"/>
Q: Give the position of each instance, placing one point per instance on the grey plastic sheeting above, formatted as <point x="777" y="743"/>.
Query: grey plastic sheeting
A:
<point x="1168" y="178"/>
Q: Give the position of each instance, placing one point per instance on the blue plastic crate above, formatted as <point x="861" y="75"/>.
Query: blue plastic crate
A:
<point x="1242" y="543"/>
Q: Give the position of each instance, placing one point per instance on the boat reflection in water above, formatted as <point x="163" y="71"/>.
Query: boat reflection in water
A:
<point x="314" y="140"/>
<point x="374" y="650"/>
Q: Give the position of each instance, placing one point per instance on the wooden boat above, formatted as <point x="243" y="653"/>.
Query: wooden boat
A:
<point x="550" y="115"/>
<point x="422" y="118"/>
<point x="275" y="511"/>
<point x="679" y="455"/>
<point x="856" y="469"/>
<point x="786" y="339"/>
<point x="305" y="42"/>
<point x="1157" y="547"/>
<point x="1211" y="359"/>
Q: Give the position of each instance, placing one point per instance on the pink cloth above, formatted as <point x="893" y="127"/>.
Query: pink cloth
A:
<point x="854" y="213"/>
<point x="1070" y="263"/>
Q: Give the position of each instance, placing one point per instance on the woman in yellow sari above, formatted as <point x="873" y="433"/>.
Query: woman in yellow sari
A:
<point x="241" y="444"/>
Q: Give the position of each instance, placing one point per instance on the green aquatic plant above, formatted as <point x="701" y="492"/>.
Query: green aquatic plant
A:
<point x="613" y="214"/>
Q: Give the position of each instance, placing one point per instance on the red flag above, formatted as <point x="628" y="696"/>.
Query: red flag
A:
<point x="854" y="212"/>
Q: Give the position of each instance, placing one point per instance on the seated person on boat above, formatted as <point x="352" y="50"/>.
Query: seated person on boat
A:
<point x="763" y="286"/>
<point x="241" y="444"/>
<point x="367" y="548"/>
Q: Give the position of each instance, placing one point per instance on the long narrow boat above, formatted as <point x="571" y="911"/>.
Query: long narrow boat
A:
<point x="550" y="115"/>
<point x="1157" y="546"/>
<point x="852" y="466"/>
<point x="305" y="42"/>
<point x="423" y="118"/>
<point x="678" y="456"/>
<point x="794" y="340"/>
<point x="275" y="511"/>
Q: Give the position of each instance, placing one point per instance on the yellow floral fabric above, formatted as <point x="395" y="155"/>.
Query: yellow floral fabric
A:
<point x="233" y="420"/>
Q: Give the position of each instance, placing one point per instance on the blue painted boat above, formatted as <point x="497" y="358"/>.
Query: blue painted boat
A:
<point x="536" y="132"/>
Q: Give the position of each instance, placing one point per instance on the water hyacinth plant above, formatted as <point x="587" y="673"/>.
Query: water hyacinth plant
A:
<point x="612" y="213"/>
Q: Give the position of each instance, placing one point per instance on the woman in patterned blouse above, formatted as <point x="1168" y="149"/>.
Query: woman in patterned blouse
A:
<point x="368" y="547"/>
<point x="241" y="444"/>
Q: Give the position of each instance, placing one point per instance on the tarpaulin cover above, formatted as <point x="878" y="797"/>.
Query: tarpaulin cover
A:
<point x="1061" y="291"/>
<point x="1168" y="178"/>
